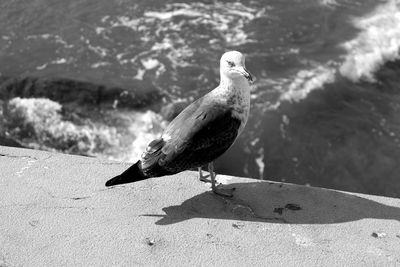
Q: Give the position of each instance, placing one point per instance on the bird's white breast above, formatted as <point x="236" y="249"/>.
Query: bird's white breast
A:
<point x="236" y="94"/>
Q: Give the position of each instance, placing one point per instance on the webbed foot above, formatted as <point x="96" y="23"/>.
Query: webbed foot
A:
<point x="225" y="192"/>
<point x="217" y="189"/>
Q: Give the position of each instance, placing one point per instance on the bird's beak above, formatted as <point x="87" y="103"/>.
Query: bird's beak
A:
<point x="248" y="75"/>
<point x="245" y="73"/>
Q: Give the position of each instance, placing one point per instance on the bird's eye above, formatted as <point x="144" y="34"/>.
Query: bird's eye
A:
<point x="231" y="64"/>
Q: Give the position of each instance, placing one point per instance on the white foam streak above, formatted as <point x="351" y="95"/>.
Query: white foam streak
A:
<point x="329" y="3"/>
<point x="229" y="19"/>
<point x="47" y="36"/>
<point x="168" y="15"/>
<point x="307" y="81"/>
<point x="100" y="64"/>
<point x="37" y="122"/>
<point x="378" y="42"/>
<point x="145" y="127"/>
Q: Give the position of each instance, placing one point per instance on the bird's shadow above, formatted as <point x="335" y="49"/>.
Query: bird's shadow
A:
<point x="279" y="203"/>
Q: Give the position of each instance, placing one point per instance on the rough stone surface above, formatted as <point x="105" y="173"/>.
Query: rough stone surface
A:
<point x="55" y="211"/>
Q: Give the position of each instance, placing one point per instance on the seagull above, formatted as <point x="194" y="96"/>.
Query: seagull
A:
<point x="202" y="132"/>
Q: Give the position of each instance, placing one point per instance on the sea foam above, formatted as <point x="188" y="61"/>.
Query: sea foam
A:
<point x="377" y="43"/>
<point x="38" y="123"/>
<point x="143" y="128"/>
<point x="226" y="22"/>
<point x="306" y="81"/>
<point x="227" y="18"/>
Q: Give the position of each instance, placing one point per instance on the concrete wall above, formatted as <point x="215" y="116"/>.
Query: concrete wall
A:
<point x="55" y="211"/>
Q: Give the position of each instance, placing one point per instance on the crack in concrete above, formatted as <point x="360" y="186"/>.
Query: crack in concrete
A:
<point x="25" y="157"/>
<point x="67" y="207"/>
<point x="47" y="207"/>
<point x="14" y="156"/>
<point x="30" y="163"/>
<point x="56" y="197"/>
<point x="47" y="192"/>
<point x="115" y="163"/>
<point x="79" y="198"/>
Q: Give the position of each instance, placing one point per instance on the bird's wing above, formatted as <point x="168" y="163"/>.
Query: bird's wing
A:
<point x="198" y="135"/>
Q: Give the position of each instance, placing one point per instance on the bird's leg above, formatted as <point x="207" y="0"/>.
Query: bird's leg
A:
<point x="216" y="189"/>
<point x="203" y="178"/>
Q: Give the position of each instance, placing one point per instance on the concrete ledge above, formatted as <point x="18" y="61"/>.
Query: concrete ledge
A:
<point x="55" y="211"/>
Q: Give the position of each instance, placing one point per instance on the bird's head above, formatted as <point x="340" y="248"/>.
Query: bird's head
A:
<point x="232" y="66"/>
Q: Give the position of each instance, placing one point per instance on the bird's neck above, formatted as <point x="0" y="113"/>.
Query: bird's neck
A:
<point x="236" y="94"/>
<point x="237" y="90"/>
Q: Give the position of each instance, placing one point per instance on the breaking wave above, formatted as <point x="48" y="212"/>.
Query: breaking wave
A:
<point x="42" y="123"/>
<point x="38" y="123"/>
<point x="377" y="43"/>
<point x="308" y="80"/>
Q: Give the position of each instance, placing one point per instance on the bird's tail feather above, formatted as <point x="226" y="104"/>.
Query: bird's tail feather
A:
<point x="133" y="174"/>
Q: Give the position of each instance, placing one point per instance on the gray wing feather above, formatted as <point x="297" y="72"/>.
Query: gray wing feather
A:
<point x="198" y="135"/>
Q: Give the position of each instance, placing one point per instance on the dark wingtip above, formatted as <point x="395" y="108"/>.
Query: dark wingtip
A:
<point x="133" y="174"/>
<point x="113" y="181"/>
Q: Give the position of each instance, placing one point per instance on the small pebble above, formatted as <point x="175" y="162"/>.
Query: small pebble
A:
<point x="378" y="235"/>
<point x="150" y="242"/>
<point x="237" y="225"/>
<point x="33" y="223"/>
<point x="278" y="210"/>
<point x="291" y="206"/>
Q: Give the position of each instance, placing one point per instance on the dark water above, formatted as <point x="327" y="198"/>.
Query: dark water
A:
<point x="324" y="106"/>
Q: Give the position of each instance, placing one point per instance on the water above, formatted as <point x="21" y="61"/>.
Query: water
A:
<point x="324" y="106"/>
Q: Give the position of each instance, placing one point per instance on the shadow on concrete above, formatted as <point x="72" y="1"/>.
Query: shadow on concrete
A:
<point x="279" y="203"/>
